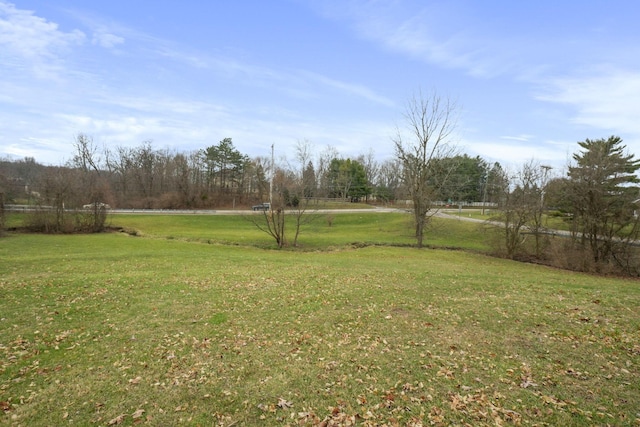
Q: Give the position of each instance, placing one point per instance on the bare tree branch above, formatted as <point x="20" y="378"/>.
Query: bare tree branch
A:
<point x="431" y="121"/>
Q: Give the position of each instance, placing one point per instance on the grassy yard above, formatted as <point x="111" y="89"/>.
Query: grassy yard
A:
<point x="324" y="231"/>
<point x="191" y="323"/>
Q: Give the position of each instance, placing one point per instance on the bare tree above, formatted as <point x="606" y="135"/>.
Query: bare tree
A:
<point x="93" y="185"/>
<point x="302" y="188"/>
<point x="86" y="157"/>
<point x="430" y="121"/>
<point x="537" y="223"/>
<point x="323" y="166"/>
<point x="371" y="166"/>
<point x="273" y="219"/>
<point x="57" y="185"/>
<point x="304" y="168"/>
<point x="519" y="211"/>
<point x="187" y="178"/>
<point x="289" y="209"/>
<point x="389" y="181"/>
<point x="304" y="153"/>
<point x="120" y="165"/>
<point x="144" y="160"/>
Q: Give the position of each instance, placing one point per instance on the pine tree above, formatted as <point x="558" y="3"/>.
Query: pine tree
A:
<point x="604" y="195"/>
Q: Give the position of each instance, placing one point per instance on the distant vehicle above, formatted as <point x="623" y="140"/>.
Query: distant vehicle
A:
<point x="262" y="207"/>
<point x="96" y="205"/>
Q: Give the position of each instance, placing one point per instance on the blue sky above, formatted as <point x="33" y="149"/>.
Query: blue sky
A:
<point x="531" y="78"/>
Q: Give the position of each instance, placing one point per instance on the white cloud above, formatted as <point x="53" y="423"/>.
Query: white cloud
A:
<point x="514" y="151"/>
<point x="36" y="147"/>
<point x="31" y="46"/>
<point x="296" y="83"/>
<point x="433" y="32"/>
<point x="349" y="88"/>
<point x="107" y="40"/>
<point x="522" y="137"/>
<point x="412" y="36"/>
<point x="88" y="99"/>
<point x="25" y="35"/>
<point x="609" y="100"/>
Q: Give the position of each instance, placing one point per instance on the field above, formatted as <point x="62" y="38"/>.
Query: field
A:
<point x="548" y="221"/>
<point x="197" y="320"/>
<point x="323" y="232"/>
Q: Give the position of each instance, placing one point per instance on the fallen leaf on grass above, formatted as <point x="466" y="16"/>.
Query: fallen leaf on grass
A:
<point x="135" y="380"/>
<point x="138" y="414"/>
<point x="284" y="404"/>
<point x="436" y="415"/>
<point x="117" y="420"/>
<point x="551" y="400"/>
<point x="445" y="372"/>
<point x="267" y="408"/>
<point x="527" y="383"/>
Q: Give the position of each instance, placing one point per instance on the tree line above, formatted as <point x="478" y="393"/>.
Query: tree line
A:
<point x="596" y="201"/>
<point x="219" y="176"/>
<point x="596" y="204"/>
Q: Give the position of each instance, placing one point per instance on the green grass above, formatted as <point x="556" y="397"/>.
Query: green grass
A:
<point x="549" y="221"/>
<point x="471" y="213"/>
<point x="333" y="204"/>
<point x="14" y="220"/>
<point x="326" y="230"/>
<point x="166" y="329"/>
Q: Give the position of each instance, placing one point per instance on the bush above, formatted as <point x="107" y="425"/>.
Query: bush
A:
<point x="90" y="220"/>
<point x="52" y="221"/>
<point x="567" y="254"/>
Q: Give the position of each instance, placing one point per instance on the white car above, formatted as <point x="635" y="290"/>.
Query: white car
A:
<point x="96" y="205"/>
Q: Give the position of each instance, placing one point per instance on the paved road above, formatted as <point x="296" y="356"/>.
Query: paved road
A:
<point x="243" y="211"/>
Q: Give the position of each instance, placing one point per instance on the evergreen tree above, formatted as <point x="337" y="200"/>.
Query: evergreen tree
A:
<point x="604" y="195"/>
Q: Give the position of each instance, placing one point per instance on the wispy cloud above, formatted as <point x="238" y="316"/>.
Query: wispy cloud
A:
<point x="353" y="89"/>
<point x="106" y="39"/>
<point x="85" y="98"/>
<point x="431" y="32"/>
<point x="33" y="46"/>
<point x="412" y="36"/>
<point x="607" y="99"/>
<point x="37" y="148"/>
<point x="513" y="151"/>
<point x="25" y="35"/>
<point x="297" y="83"/>
<point x="574" y="68"/>
<point x="522" y="138"/>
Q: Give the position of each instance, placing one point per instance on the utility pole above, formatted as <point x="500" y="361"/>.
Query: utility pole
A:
<point x="543" y="188"/>
<point x="271" y="180"/>
<point x="484" y="193"/>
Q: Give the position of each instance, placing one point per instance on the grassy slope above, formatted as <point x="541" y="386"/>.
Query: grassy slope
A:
<point x="345" y="229"/>
<point x="97" y="329"/>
